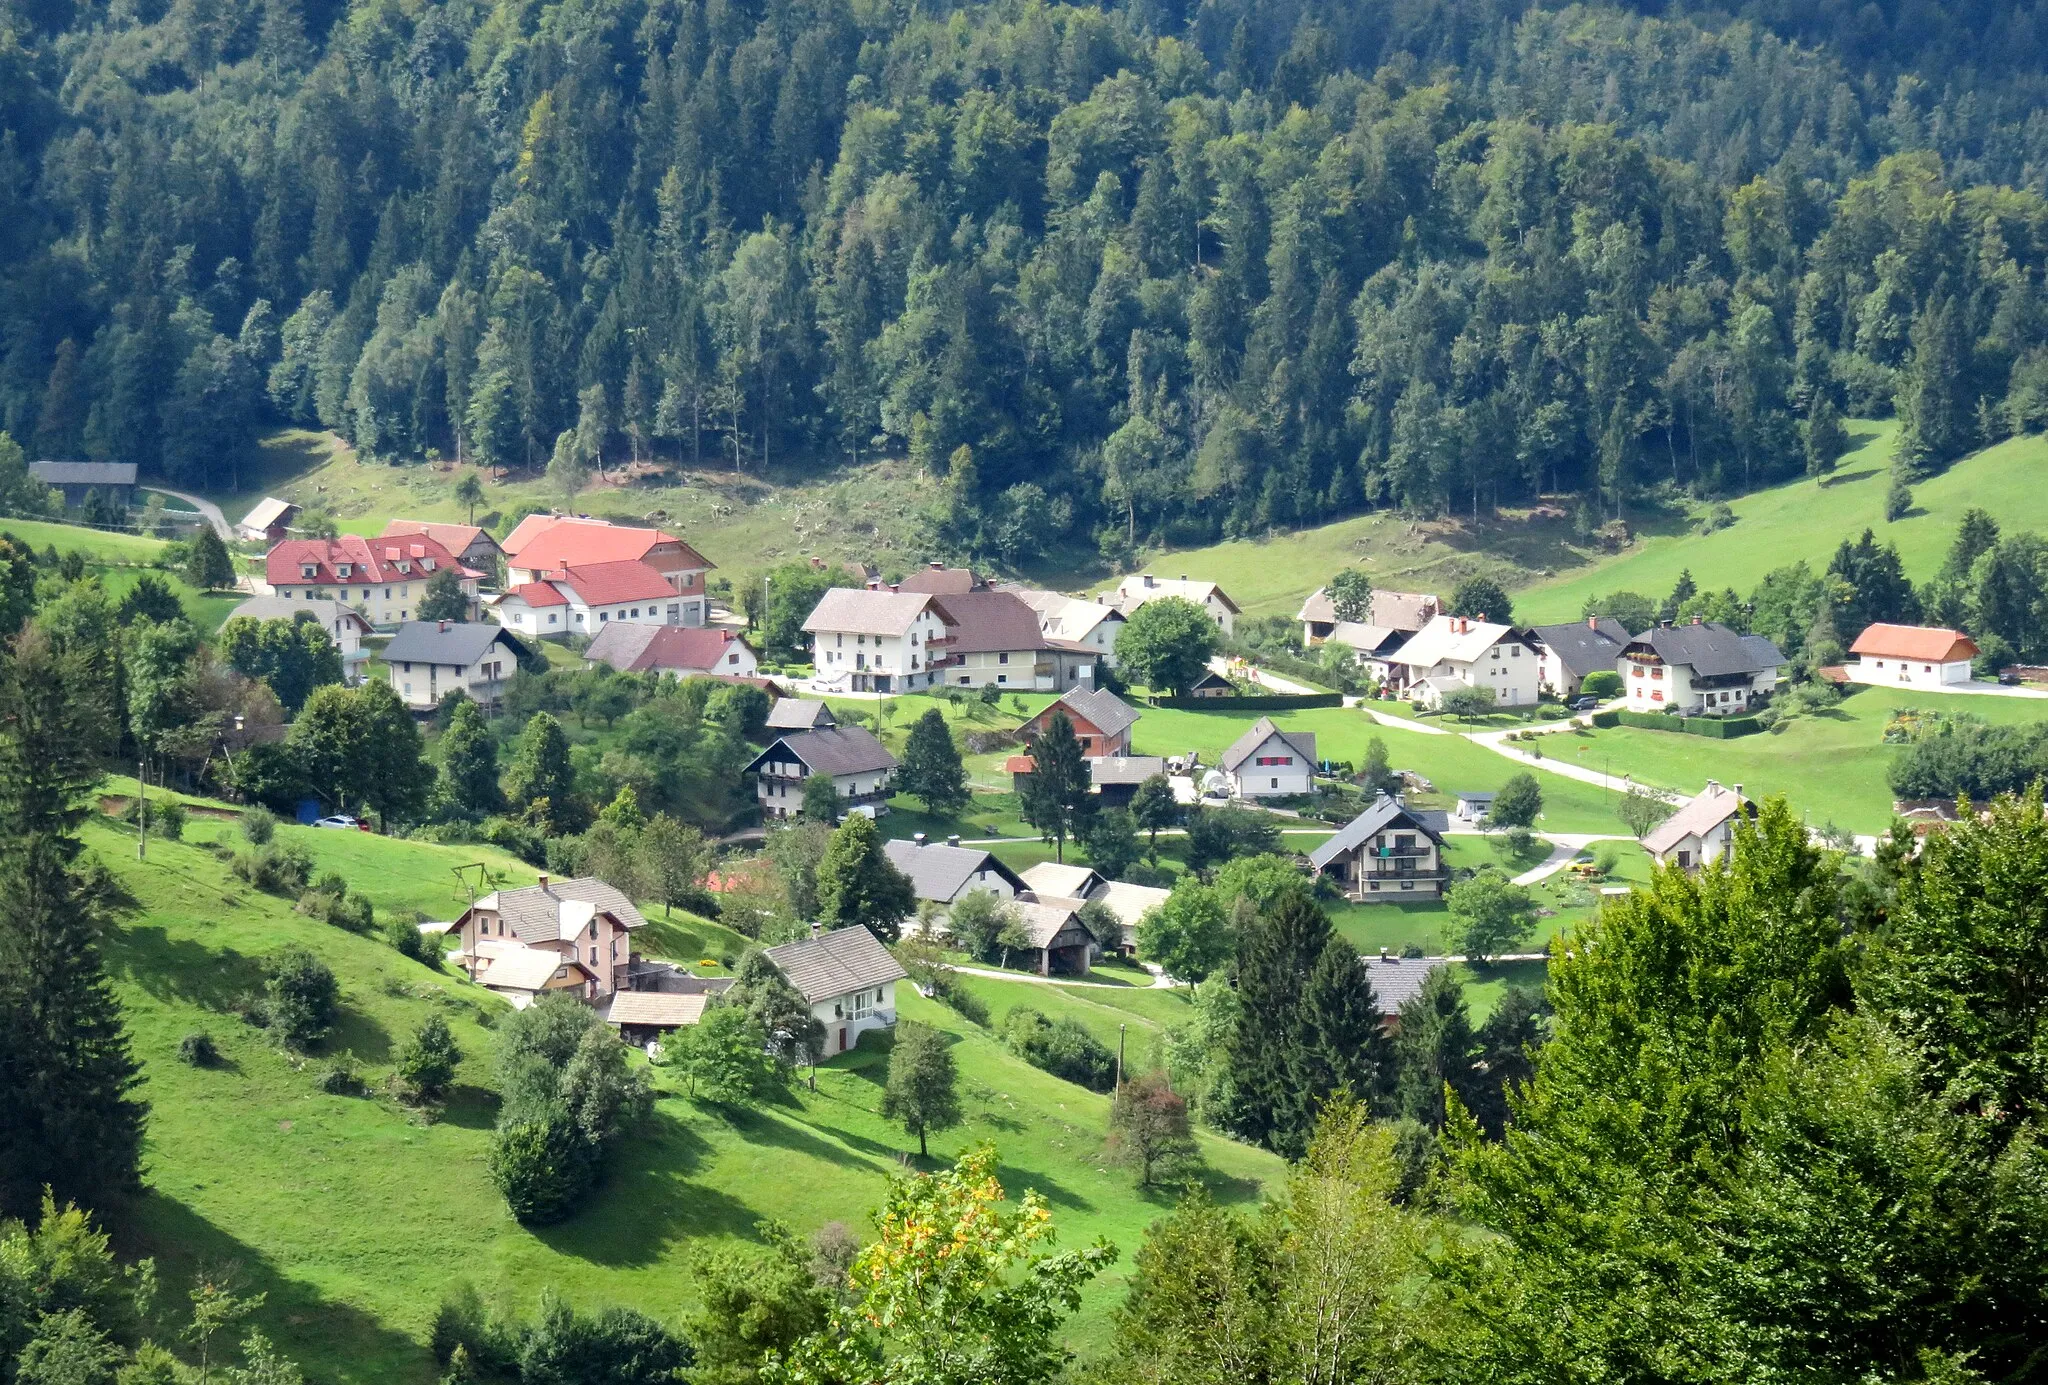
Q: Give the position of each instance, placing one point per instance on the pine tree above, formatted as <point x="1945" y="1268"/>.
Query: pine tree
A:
<point x="1434" y="1047"/>
<point x="1056" y="798"/>
<point x="469" y="761"/>
<point x="66" y="1075"/>
<point x="209" y="567"/>
<point x="931" y="768"/>
<point x="1277" y="953"/>
<point x="1342" y="1044"/>
<point x="1826" y="439"/>
<point x="1936" y="421"/>
<point x="541" y="772"/>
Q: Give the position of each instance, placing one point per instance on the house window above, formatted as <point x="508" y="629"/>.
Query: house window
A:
<point x="604" y="615"/>
<point x="1276" y="783"/>
<point x="552" y="618"/>
<point x="593" y="956"/>
<point x="1657" y="672"/>
<point x="408" y="666"/>
<point x="863" y="1004"/>
<point x="387" y="593"/>
<point x="1002" y="677"/>
<point x="1002" y="658"/>
<point x="561" y="972"/>
<point x="1276" y="759"/>
<point x="1514" y="651"/>
<point x="732" y="658"/>
<point x="1636" y="672"/>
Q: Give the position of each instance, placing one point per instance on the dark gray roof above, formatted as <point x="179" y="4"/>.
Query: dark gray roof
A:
<point x="938" y="872"/>
<point x="1104" y="710"/>
<point x="1396" y="980"/>
<point x="799" y="714"/>
<point x="836" y="963"/>
<point x="534" y="913"/>
<point x="455" y="642"/>
<point x="1303" y="743"/>
<point x="1383" y="813"/>
<point x="1582" y="648"/>
<point x="1709" y="649"/>
<point x="83" y="473"/>
<point x="1124" y="769"/>
<point x="833" y="750"/>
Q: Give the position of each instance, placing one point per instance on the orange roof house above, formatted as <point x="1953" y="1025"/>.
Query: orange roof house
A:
<point x="1926" y="643"/>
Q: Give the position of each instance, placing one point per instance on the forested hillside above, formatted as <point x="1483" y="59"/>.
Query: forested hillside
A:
<point x="1162" y="269"/>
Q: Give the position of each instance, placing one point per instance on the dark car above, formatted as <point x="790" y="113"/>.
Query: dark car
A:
<point x="1583" y="704"/>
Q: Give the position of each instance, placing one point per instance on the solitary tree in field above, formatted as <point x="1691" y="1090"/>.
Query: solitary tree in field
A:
<point x="208" y="566"/>
<point x="1154" y="808"/>
<point x="1518" y="803"/>
<point x="469" y="493"/>
<point x="1148" y="1127"/>
<point x="427" y="1062"/>
<point x="1642" y="808"/>
<point x="1491" y="914"/>
<point x="923" y="1088"/>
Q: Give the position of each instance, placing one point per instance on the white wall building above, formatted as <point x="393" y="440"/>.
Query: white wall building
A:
<point x="344" y="625"/>
<point x="1476" y="653"/>
<point x="877" y="641"/>
<point x="430" y="659"/>
<point x="1266" y="762"/>
<point x="1911" y="656"/>
<point x="1702" y="669"/>
<point x="1701" y="831"/>
<point x="858" y="765"/>
<point x="583" y="600"/>
<point x="1095" y="624"/>
<point x="1135" y="591"/>
<point x="847" y="978"/>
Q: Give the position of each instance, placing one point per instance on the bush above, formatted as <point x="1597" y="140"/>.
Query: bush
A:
<point x="407" y="941"/>
<point x="1605" y="682"/>
<point x="461" y="1321"/>
<point x="426" y="1065"/>
<point x="962" y="1001"/>
<point x="543" y="1165"/>
<point x="167" y="819"/>
<point x="1718" y="516"/>
<point x="259" y="825"/>
<point x="197" y="1049"/>
<point x="302" y="997"/>
<point x="275" y="869"/>
<point x="1063" y="1048"/>
<point x="342" y="1077"/>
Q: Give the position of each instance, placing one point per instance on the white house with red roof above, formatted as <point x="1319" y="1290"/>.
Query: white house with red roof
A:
<point x="1911" y="656"/>
<point x="382" y="578"/>
<point x="680" y="651"/>
<point x="583" y="600"/>
<point x="541" y="545"/>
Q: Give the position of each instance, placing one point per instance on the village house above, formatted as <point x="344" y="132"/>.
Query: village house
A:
<point x="573" y="935"/>
<point x="268" y="521"/>
<point x="847" y="978"/>
<point x="1402" y="613"/>
<point x="543" y="544"/>
<point x="1102" y="721"/>
<point x="1128" y="903"/>
<point x="1266" y="762"/>
<point x="1212" y="684"/>
<point x="1698" y="669"/>
<point x="936" y="579"/>
<point x="1452" y="651"/>
<point x="679" y="651"/>
<point x="800" y="714"/>
<point x="1565" y="654"/>
<point x="1473" y="807"/>
<point x="427" y="660"/>
<point x="1388" y="854"/>
<point x="471" y="544"/>
<point x="1701" y="831"/>
<point x="583" y="600"/>
<point x="1057" y="942"/>
<point x="1372" y="646"/>
<point x="994" y="637"/>
<point x="1396" y="981"/>
<point x="940" y="873"/>
<point x="382" y="578"/>
<point x="76" y="480"/>
<point x="858" y="765"/>
<point x="1134" y="592"/>
<point x="1116" y="777"/>
<point x="343" y="624"/>
<point x="1911" y="656"/>
<point x="878" y="641"/>
<point x="1095" y="624"/>
<point x="646" y="1018"/>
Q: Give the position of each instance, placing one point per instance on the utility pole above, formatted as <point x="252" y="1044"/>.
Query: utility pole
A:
<point x="1116" y="1092"/>
<point x="142" y="806"/>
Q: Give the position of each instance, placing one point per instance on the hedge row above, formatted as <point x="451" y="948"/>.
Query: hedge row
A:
<point x="1717" y="728"/>
<point x="1265" y="702"/>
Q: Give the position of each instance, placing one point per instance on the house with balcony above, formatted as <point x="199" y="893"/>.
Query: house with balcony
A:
<point x="1458" y="650"/>
<point x="472" y="544"/>
<point x="1702" y="830"/>
<point x="1565" y="654"/>
<point x="1266" y="762"/>
<point x="1136" y="591"/>
<point x="940" y="873"/>
<point x="343" y="624"/>
<point x="383" y="579"/>
<point x="1701" y="669"/>
<point x="858" y="765"/>
<point x="1095" y="624"/>
<point x="584" y="600"/>
<point x="544" y="544"/>
<point x="1388" y="854"/>
<point x="878" y="641"/>
<point x="847" y="978"/>
<point x="573" y="935"/>
<point x="995" y="637"/>
<point x="429" y="659"/>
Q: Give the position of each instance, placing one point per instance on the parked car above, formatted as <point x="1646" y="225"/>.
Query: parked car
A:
<point x="342" y="820"/>
<point x="1583" y="704"/>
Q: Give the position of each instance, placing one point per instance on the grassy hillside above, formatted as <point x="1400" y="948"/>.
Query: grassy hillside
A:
<point x="119" y="560"/>
<point x="353" y="1214"/>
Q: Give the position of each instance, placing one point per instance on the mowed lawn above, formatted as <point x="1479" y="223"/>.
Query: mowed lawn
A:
<point x="1808" y="519"/>
<point x="353" y="1215"/>
<point x="1830" y="767"/>
<point x="119" y="561"/>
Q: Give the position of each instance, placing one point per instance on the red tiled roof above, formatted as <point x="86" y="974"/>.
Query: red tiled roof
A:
<point x="1020" y="764"/>
<point x="1927" y="643"/>
<point x="538" y="594"/>
<point x="634" y="648"/>
<point x="368" y="560"/>
<point x="554" y="542"/>
<point x="603" y="584"/>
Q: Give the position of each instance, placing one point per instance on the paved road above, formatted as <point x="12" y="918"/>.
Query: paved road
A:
<point x="1264" y="678"/>
<point x="207" y="508"/>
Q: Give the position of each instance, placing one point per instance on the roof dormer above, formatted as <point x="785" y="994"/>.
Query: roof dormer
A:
<point x="309" y="570"/>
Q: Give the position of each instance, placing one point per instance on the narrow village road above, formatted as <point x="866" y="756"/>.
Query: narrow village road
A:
<point x="207" y="509"/>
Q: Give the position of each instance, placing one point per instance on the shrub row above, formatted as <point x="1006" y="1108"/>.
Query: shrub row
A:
<point x="1718" y="728"/>
<point x="1264" y="702"/>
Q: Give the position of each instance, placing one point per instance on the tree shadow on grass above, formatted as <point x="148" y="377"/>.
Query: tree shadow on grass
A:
<point x="1843" y="478"/>
<point x="182" y="970"/>
<point x="470" y="1108"/>
<point x="1016" y="1181"/>
<point x="787" y="1133"/>
<point x="646" y="1203"/>
<point x="355" y="1032"/>
<point x="335" y="1341"/>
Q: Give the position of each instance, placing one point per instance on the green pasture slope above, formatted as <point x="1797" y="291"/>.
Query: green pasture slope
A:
<point x="354" y="1214"/>
<point x="119" y="560"/>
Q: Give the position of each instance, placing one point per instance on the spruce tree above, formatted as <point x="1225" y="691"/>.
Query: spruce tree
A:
<point x="71" y="1122"/>
<point x="931" y="768"/>
<point x="1341" y="1043"/>
<point x="1826" y="439"/>
<point x="1056" y="798"/>
<point x="1434" y="1047"/>
<point x="208" y="566"/>
<point x="469" y="761"/>
<point x="1277" y="953"/>
<point x="541" y="771"/>
<point x="1935" y="418"/>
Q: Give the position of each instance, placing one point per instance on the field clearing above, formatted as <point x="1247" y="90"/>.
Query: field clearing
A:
<point x="353" y="1214"/>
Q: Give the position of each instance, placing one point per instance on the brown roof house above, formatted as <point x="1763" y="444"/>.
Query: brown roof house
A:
<point x="996" y="637"/>
<point x="679" y="651"/>
<point x="573" y="935"/>
<point x="1402" y="613"/>
<point x="1911" y="656"/>
<point x="847" y="978"/>
<point x="646" y="1018"/>
<point x="936" y="579"/>
<point x="858" y="765"/>
<point x="1102" y="721"/>
<point x="1702" y="830"/>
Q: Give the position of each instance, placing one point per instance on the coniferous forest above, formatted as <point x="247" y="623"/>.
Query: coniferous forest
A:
<point x="1162" y="269"/>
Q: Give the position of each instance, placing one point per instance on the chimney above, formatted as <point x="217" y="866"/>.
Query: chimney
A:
<point x="894" y="588"/>
<point x="1383" y="954"/>
<point x="543" y="881"/>
<point x="1663" y="625"/>
<point x="1714" y="785"/>
<point x="444" y="627"/>
<point x="953" y="840"/>
<point x="1592" y="622"/>
<point x="1738" y="790"/>
<point x="938" y="566"/>
<point x="1695" y="620"/>
<point x="1482" y="617"/>
<point x="1148" y="580"/>
<point x="917" y="838"/>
